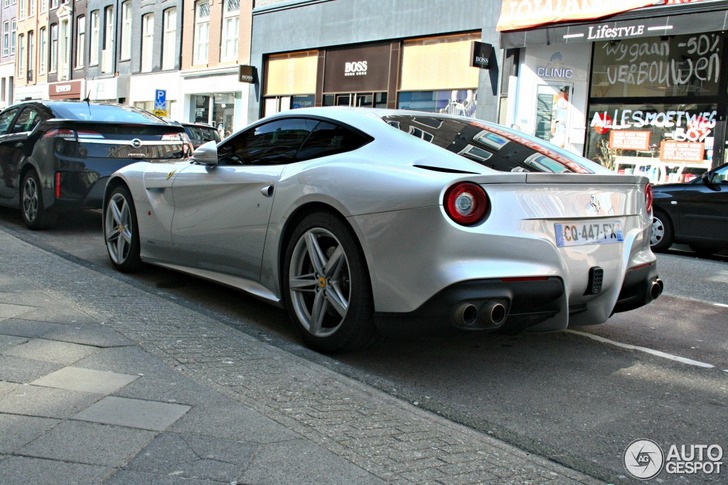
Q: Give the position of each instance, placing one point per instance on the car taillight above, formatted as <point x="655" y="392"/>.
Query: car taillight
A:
<point x="63" y="133"/>
<point x="648" y="197"/>
<point x="466" y="203"/>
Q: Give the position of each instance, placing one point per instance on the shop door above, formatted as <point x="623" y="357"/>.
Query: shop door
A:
<point x="552" y="113"/>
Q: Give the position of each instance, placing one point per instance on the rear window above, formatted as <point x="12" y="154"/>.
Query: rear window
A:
<point x="493" y="146"/>
<point x="103" y="112"/>
<point x="202" y="134"/>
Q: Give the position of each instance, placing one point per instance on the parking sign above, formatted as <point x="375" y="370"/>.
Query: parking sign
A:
<point x="160" y="102"/>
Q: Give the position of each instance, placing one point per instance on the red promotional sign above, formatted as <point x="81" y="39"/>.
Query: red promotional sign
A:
<point x="522" y="14"/>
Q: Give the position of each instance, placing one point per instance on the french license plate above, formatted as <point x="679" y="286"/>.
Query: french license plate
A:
<point x="589" y="232"/>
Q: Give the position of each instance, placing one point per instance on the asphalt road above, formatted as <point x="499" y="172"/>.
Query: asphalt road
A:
<point x="578" y="397"/>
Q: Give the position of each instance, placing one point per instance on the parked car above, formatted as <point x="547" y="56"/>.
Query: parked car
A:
<point x="362" y="222"/>
<point x="57" y="155"/>
<point x="200" y="133"/>
<point x="693" y="213"/>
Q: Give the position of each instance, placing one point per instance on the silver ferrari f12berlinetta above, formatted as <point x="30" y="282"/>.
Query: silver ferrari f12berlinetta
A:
<point x="361" y="222"/>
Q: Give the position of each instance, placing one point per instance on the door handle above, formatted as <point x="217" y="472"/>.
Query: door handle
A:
<point x="267" y="191"/>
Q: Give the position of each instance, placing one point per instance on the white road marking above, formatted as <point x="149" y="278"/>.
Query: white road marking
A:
<point x="721" y="304"/>
<point x="646" y="350"/>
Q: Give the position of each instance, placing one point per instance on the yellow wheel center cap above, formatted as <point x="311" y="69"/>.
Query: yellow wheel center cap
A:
<point x="322" y="282"/>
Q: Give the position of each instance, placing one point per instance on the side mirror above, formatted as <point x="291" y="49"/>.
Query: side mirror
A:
<point x="709" y="181"/>
<point x="206" y="153"/>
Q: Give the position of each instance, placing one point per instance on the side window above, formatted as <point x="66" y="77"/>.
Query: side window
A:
<point x="330" y="139"/>
<point x="5" y="119"/>
<point x="274" y="143"/>
<point x="27" y="120"/>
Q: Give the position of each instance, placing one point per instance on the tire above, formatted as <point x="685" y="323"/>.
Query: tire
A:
<point x="661" y="233"/>
<point x="121" y="231"/>
<point x="35" y="215"/>
<point x="326" y="286"/>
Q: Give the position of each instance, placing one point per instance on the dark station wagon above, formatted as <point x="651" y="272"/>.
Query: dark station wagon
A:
<point x="57" y="155"/>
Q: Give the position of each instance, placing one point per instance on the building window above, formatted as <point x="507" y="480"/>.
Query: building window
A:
<point x="43" y="6"/>
<point x="202" y="32"/>
<point x="125" y="31"/>
<point x="6" y="38"/>
<point x="31" y="55"/>
<point x="54" y="3"/>
<point x="54" y="48"/>
<point x="147" y="42"/>
<point x="230" y="29"/>
<point x="108" y="41"/>
<point x="94" y="39"/>
<point x="31" y="8"/>
<point x="43" y="51"/>
<point x="21" y="56"/>
<point x="21" y="9"/>
<point x="13" y="31"/>
<point x="169" y="41"/>
<point x="64" y="49"/>
<point x="80" y="41"/>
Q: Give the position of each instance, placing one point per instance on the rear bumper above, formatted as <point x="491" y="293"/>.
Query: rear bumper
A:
<point x="469" y="305"/>
<point x="512" y="304"/>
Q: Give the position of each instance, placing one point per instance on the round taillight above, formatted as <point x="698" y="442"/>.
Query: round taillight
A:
<point x="648" y="198"/>
<point x="466" y="203"/>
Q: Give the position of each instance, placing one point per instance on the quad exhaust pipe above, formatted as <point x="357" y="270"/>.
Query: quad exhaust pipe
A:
<point x="489" y="315"/>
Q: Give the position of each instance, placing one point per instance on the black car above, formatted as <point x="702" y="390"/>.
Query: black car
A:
<point x="57" y="155"/>
<point x="694" y="213"/>
<point x="200" y="133"/>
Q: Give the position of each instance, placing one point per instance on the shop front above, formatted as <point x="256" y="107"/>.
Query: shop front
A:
<point x="214" y="97"/>
<point x="432" y="74"/>
<point x="653" y="100"/>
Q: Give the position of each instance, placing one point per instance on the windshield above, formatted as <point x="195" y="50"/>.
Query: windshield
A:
<point x="491" y="145"/>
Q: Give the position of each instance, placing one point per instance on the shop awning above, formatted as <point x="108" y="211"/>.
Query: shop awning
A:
<point x="673" y="19"/>
<point x="523" y="14"/>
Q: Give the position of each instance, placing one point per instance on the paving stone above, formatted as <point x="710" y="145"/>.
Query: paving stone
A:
<point x="195" y="456"/>
<point x="22" y="470"/>
<point x="21" y="370"/>
<point x="133" y="413"/>
<point x="89" y="443"/>
<point x="18" y="431"/>
<point x="45" y="401"/>
<point x="9" y="310"/>
<point x="130" y="477"/>
<point x="27" y="328"/>
<point x="277" y="462"/>
<point x="88" y="380"/>
<point x="91" y="335"/>
<point x="232" y="420"/>
<point x="8" y="341"/>
<point x="50" y="351"/>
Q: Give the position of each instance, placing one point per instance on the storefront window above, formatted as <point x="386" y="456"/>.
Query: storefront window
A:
<point x="657" y="140"/>
<point x="217" y="110"/>
<point x="462" y="102"/>
<point x="683" y="65"/>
